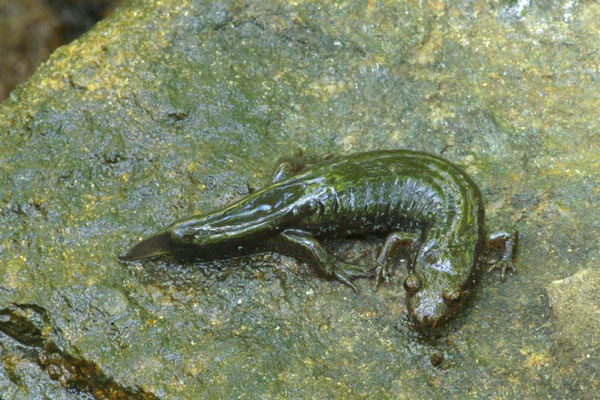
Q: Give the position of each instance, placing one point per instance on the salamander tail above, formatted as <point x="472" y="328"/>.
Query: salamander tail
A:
<point x="154" y="246"/>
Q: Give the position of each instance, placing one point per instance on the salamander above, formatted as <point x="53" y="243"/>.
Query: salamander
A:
<point x="426" y="207"/>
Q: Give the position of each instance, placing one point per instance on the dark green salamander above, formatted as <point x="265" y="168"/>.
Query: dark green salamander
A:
<point x="428" y="208"/>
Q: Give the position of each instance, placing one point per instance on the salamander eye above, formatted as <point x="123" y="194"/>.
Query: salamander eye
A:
<point x="452" y="295"/>
<point x="412" y="283"/>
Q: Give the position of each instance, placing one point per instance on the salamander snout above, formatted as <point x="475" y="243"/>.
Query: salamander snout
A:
<point x="431" y="303"/>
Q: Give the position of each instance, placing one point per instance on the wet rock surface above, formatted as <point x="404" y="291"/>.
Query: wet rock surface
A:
<point x="169" y="108"/>
<point x="575" y="304"/>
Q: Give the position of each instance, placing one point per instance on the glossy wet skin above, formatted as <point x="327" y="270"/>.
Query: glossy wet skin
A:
<point x="432" y="299"/>
<point x="444" y="273"/>
<point x="435" y="208"/>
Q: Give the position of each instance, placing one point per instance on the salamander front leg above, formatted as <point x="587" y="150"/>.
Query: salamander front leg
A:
<point x="410" y="242"/>
<point x="303" y="245"/>
<point x="506" y="244"/>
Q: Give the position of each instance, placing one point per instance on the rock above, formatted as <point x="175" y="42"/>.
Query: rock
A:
<point x="168" y="108"/>
<point x="575" y="304"/>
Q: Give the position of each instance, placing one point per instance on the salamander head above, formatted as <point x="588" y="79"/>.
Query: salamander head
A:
<point x="432" y="298"/>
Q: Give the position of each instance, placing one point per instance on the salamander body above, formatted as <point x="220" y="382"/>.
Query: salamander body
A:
<point x="427" y="207"/>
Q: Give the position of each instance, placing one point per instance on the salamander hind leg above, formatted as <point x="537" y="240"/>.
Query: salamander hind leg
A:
<point x="408" y="241"/>
<point x="284" y="170"/>
<point x="506" y="244"/>
<point x="303" y="245"/>
<point x="289" y="166"/>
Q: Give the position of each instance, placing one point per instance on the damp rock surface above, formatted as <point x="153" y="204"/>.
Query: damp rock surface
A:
<point x="575" y="305"/>
<point x="169" y="108"/>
